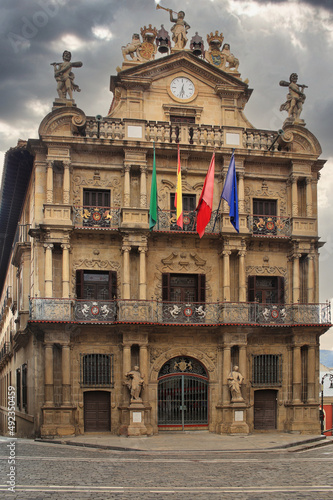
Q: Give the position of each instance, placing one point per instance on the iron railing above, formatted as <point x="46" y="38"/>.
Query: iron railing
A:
<point x="195" y="313"/>
<point x="97" y="217"/>
<point x="269" y="225"/>
<point x="5" y="349"/>
<point x="167" y="221"/>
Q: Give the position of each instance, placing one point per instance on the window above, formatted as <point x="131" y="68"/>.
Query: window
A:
<point x="189" y="214"/>
<point x="18" y="388"/>
<point x="96" y="285"/>
<point x="183" y="287"/>
<point x="264" y="207"/>
<point x="266" y="289"/>
<point x="304" y="373"/>
<point x="266" y="369"/>
<point x="97" y="370"/>
<point x="96" y="198"/>
<point x="24" y="387"/>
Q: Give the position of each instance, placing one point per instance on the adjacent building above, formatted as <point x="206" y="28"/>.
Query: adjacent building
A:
<point x="89" y="292"/>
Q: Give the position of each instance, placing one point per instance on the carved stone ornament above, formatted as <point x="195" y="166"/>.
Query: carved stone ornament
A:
<point x="134" y="383"/>
<point x="222" y="59"/>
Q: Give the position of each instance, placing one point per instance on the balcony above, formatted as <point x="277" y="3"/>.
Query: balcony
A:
<point x="167" y="221"/>
<point x="5" y="352"/>
<point x="96" y="217"/>
<point x="114" y="129"/>
<point x="180" y="313"/>
<point x="270" y="225"/>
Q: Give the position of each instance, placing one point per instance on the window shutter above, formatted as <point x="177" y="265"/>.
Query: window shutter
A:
<point x="113" y="284"/>
<point x="251" y="288"/>
<point x="201" y="288"/>
<point x="79" y="284"/>
<point x="165" y="287"/>
<point x="280" y="290"/>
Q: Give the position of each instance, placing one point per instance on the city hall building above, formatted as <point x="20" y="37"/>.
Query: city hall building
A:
<point x="93" y="299"/>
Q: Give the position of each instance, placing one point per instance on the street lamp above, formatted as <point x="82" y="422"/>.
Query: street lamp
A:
<point x="321" y="414"/>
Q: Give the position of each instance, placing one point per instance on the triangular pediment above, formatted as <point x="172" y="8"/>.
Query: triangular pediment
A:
<point x="184" y="61"/>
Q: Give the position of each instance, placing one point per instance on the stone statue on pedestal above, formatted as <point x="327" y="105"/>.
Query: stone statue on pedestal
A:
<point x="65" y="77"/>
<point x="134" y="382"/>
<point x="235" y="381"/>
<point x="295" y="98"/>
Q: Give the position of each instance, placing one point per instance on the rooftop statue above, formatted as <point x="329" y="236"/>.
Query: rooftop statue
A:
<point x="295" y="98"/>
<point x="65" y="77"/>
<point x="141" y="51"/>
<point x="179" y="30"/>
<point x="222" y="59"/>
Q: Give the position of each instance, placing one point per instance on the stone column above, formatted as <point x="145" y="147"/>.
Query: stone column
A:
<point x="242" y="361"/>
<point x="226" y="275"/>
<point x="296" y="285"/>
<point x="65" y="270"/>
<point x="66" y="374"/>
<point x="311" y="374"/>
<point x="220" y="372"/>
<point x="126" y="358"/>
<point x="49" y="182"/>
<point x="143" y="187"/>
<point x="311" y="279"/>
<point x="48" y="274"/>
<point x="48" y="375"/>
<point x="297" y="374"/>
<point x="126" y="272"/>
<point x="241" y="195"/>
<point x="143" y="274"/>
<point x="242" y="280"/>
<point x="294" y="196"/>
<point x="127" y="186"/>
<point x="308" y="181"/>
<point x="144" y="370"/>
<point x="226" y="373"/>
<point x="66" y="182"/>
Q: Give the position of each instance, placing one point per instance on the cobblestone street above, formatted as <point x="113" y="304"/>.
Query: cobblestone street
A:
<point x="51" y="471"/>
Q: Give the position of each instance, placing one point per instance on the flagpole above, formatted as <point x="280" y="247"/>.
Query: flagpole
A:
<point x="218" y="208"/>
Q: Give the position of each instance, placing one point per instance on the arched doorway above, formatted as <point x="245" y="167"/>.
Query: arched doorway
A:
<point x="265" y="409"/>
<point x="182" y="394"/>
<point x="97" y="411"/>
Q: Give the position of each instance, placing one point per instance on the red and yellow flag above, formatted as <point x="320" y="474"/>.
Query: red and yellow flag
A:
<point x="179" y="195"/>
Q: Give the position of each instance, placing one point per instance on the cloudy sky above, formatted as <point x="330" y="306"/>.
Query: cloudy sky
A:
<point x="270" y="38"/>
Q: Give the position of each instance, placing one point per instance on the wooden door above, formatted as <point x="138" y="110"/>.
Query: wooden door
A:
<point x="97" y="411"/>
<point x="265" y="409"/>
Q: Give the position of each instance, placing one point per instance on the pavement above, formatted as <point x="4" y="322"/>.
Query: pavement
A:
<point x="196" y="441"/>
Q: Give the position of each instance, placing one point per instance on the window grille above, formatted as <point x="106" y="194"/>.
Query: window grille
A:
<point x="97" y="370"/>
<point x="304" y="368"/>
<point x="18" y="388"/>
<point x="267" y="370"/>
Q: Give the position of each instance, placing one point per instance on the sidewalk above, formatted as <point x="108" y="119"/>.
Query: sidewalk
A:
<point x="194" y="441"/>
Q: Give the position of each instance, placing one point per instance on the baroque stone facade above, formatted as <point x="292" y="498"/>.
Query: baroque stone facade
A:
<point x="89" y="292"/>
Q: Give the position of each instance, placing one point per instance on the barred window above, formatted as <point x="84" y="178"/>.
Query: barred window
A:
<point x="18" y="388"/>
<point x="267" y="370"/>
<point x="97" y="370"/>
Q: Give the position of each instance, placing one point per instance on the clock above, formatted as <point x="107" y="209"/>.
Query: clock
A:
<point x="182" y="87"/>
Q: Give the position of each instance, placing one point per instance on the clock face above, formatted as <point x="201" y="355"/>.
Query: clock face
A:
<point x="182" y="87"/>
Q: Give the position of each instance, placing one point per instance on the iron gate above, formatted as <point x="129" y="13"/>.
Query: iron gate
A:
<point x="182" y="401"/>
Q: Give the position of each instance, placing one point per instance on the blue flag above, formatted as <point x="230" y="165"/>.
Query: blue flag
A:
<point x="229" y="193"/>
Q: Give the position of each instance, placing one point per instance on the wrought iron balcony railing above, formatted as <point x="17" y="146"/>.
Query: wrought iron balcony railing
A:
<point x="97" y="217"/>
<point x="167" y="221"/>
<point x="181" y="313"/>
<point x="269" y="225"/>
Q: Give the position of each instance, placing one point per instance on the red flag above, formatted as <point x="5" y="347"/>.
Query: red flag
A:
<point x="179" y="195"/>
<point x="205" y="205"/>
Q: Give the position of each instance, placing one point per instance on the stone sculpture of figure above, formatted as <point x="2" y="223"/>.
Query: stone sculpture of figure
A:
<point x="134" y="382"/>
<point x="179" y="30"/>
<point x="295" y="97"/>
<point x="232" y="61"/>
<point x="131" y="48"/>
<point x="65" y="77"/>
<point x="235" y="381"/>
